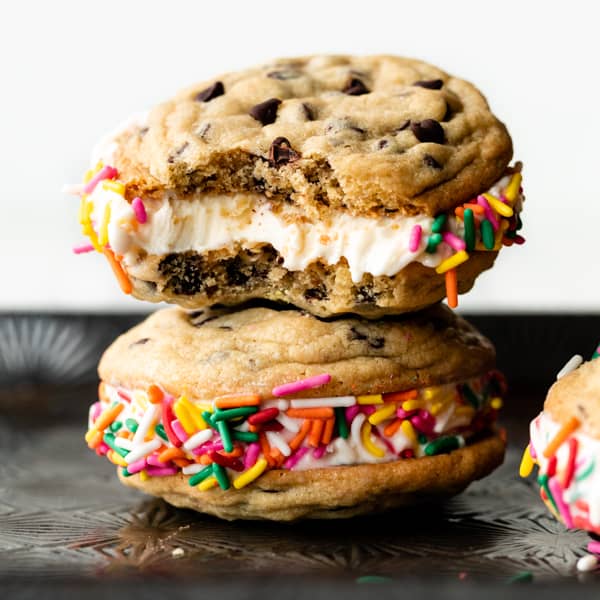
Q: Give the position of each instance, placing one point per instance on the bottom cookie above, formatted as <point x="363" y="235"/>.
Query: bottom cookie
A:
<point x="335" y="492"/>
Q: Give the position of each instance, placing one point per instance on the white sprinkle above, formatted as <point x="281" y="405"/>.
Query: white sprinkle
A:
<point x="356" y="428"/>
<point x="143" y="450"/>
<point x="571" y="365"/>
<point x="289" y="423"/>
<point x="123" y="443"/>
<point x="198" y="439"/>
<point x="178" y="553"/>
<point x="323" y="402"/>
<point x="192" y="469"/>
<point x="146" y="421"/>
<point x="586" y="563"/>
<point x="282" y="405"/>
<point x="276" y="440"/>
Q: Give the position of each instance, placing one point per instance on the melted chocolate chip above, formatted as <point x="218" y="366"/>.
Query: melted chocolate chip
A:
<point x="428" y="130"/>
<point x="316" y="293"/>
<point x="429" y="161"/>
<point x="404" y="125"/>
<point x="213" y="91"/>
<point x="355" y="87"/>
<point x="281" y="152"/>
<point x="381" y="144"/>
<point x="430" y="84"/>
<point x="265" y="112"/>
<point x="309" y="111"/>
<point x="373" y="341"/>
<point x="140" y="342"/>
<point x="225" y="327"/>
<point x="448" y="113"/>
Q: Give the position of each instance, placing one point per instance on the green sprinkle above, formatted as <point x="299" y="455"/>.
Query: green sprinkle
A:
<point x="521" y="577"/>
<point x="132" y="425"/>
<point x="115" y="426"/>
<point x="233" y="413"/>
<point x="470" y="395"/>
<point x="373" y="579"/>
<point x="208" y="418"/>
<point x="109" y="440"/>
<point x="487" y="234"/>
<point x="469" y="221"/>
<point x="125" y="472"/>
<point x="221" y="475"/>
<point x="435" y="239"/>
<point x="422" y="438"/>
<point x="543" y="482"/>
<point x="443" y="445"/>
<point x="341" y="423"/>
<point x="438" y="224"/>
<point x="161" y="431"/>
<point x="225" y="434"/>
<point x="245" y="436"/>
<point x="588" y="471"/>
<point x="200" y="476"/>
<point x="510" y="234"/>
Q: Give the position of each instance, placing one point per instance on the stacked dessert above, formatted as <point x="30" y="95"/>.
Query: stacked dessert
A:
<point x="310" y="214"/>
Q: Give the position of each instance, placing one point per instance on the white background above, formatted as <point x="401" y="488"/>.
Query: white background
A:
<point x="72" y="70"/>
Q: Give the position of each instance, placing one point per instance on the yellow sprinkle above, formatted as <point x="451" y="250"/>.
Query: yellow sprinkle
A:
<point x="83" y="209"/>
<point x="88" y="175"/>
<point x="202" y="406"/>
<point x="409" y="431"/>
<point x="436" y="408"/>
<point x="450" y="263"/>
<point x="116" y="458"/>
<point x="90" y="434"/>
<point x="250" y="475"/>
<point x="431" y="392"/>
<point x="183" y="415"/>
<point x="144" y="475"/>
<point x="502" y="209"/>
<point x="512" y="189"/>
<point x="113" y="186"/>
<point x="370" y="399"/>
<point x="379" y="416"/>
<point x="103" y="237"/>
<point x="527" y="463"/>
<point x="408" y="405"/>
<point x="211" y="482"/>
<point x="464" y="411"/>
<point x="194" y="412"/>
<point x="141" y="399"/>
<point x="496" y="403"/>
<point x="373" y="449"/>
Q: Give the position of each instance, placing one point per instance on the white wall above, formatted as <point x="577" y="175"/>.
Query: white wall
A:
<point x="72" y="70"/>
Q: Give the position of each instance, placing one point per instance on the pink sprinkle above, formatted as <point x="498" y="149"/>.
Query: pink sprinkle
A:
<point x="519" y="240"/>
<point x="563" y="509"/>
<point x="351" y="412"/>
<point x="104" y="173"/>
<point x="251" y="455"/>
<point x="137" y="466"/>
<point x="139" y="210"/>
<point x="96" y="410"/>
<point x="384" y="440"/>
<point x="415" y="238"/>
<point x="454" y="241"/>
<point x="532" y="451"/>
<point x="368" y="410"/>
<point x="301" y="385"/>
<point x="295" y="458"/>
<point x="83" y="248"/>
<point x="405" y="414"/>
<point x="102" y="449"/>
<point x="318" y="452"/>
<point x="161" y="472"/>
<point x="155" y="462"/>
<point x="208" y="447"/>
<point x="594" y="547"/>
<point x="179" y="430"/>
<point x="423" y="421"/>
<point x="490" y="215"/>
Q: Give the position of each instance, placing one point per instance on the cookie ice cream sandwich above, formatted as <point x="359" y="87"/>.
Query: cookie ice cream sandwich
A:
<point x="370" y="185"/>
<point x="277" y="414"/>
<point x="565" y="445"/>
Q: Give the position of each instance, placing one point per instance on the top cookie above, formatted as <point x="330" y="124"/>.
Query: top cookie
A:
<point x="373" y="135"/>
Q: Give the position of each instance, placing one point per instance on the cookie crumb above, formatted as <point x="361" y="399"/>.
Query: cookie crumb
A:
<point x="178" y="553"/>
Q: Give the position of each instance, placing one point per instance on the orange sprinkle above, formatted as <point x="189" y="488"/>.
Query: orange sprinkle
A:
<point x="170" y="454"/>
<point x="400" y="396"/>
<point x="278" y="458"/>
<point x="120" y="274"/>
<point x="253" y="428"/>
<point x="235" y="453"/>
<point x="107" y="417"/>
<point x="328" y="431"/>
<point x="392" y="427"/>
<point x="203" y="459"/>
<point x="102" y="392"/>
<point x="476" y="208"/>
<point x="451" y="288"/>
<point x="294" y="444"/>
<point x="235" y="400"/>
<point x="316" y="431"/>
<point x="95" y="439"/>
<point x="561" y="435"/>
<point x="182" y="462"/>
<point x="124" y="434"/>
<point x="310" y="413"/>
<point x="459" y="211"/>
<point x="265" y="448"/>
<point x="155" y="394"/>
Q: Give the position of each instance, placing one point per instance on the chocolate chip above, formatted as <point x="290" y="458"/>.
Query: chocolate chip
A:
<point x="225" y="328"/>
<point x="404" y="125"/>
<point x="178" y="152"/>
<point x="428" y="130"/>
<point x="355" y="87"/>
<point x="140" y="342"/>
<point x="309" y="111"/>
<point x="377" y="342"/>
<point x="265" y="112"/>
<point x="203" y="130"/>
<point x="357" y="335"/>
<point x="316" y="293"/>
<point x="284" y="74"/>
<point x="213" y="91"/>
<point x="281" y="152"/>
<point x="448" y="113"/>
<point x="429" y="161"/>
<point x="143" y="131"/>
<point x="430" y="84"/>
<point x="373" y="341"/>
<point x="381" y="144"/>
